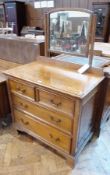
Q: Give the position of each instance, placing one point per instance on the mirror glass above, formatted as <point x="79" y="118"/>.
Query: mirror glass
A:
<point x="69" y="32"/>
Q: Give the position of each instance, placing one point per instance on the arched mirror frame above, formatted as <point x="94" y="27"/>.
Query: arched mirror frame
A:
<point x="90" y="36"/>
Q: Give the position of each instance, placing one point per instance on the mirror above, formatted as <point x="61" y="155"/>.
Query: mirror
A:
<point x="69" y="32"/>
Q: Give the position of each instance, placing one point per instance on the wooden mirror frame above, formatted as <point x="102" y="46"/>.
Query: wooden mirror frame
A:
<point x="90" y="35"/>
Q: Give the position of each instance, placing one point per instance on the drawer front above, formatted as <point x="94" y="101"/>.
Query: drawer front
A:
<point x="56" y="101"/>
<point x="47" y="132"/>
<point x="23" y="89"/>
<point x="59" y="120"/>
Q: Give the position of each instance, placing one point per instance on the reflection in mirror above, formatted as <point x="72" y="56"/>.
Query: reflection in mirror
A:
<point x="69" y="32"/>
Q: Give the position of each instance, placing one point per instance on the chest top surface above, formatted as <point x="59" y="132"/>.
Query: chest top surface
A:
<point x="59" y="76"/>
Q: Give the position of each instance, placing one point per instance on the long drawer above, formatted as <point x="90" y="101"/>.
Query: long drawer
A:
<point x="57" y="119"/>
<point x="56" y="101"/>
<point x="48" y="133"/>
<point x="22" y="89"/>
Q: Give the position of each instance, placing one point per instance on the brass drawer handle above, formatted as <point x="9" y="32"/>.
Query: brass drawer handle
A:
<point x="26" y="106"/>
<point x="25" y="123"/>
<point x="54" y="120"/>
<point x="23" y="105"/>
<point x="54" y="103"/>
<point x="18" y="88"/>
<point x="22" y="90"/>
<point x="54" y="139"/>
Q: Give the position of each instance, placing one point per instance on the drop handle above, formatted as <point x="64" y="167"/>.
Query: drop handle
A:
<point x="18" y="88"/>
<point x="26" y="106"/>
<point x="55" y="120"/>
<point x="25" y="123"/>
<point x="23" y="105"/>
<point x="54" y="139"/>
<point x="55" y="103"/>
<point x="23" y="91"/>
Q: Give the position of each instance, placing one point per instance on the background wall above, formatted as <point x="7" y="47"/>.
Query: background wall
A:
<point x="35" y="17"/>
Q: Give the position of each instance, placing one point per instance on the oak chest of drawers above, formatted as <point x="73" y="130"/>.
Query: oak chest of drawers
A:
<point x="54" y="104"/>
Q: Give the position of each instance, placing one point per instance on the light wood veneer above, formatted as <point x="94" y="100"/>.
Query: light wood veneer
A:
<point x="22" y="89"/>
<point x="51" y="101"/>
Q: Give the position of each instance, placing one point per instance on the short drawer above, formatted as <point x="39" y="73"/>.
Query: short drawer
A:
<point x="56" y="101"/>
<point x="60" y="120"/>
<point x="48" y="133"/>
<point x="22" y="88"/>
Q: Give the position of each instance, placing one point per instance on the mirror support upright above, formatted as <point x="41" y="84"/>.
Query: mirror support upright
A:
<point x="84" y="68"/>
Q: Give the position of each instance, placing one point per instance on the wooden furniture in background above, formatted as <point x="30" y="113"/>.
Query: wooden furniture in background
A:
<point x="102" y="10"/>
<point x="13" y="52"/>
<point x="103" y="49"/>
<point x="20" y="50"/>
<point x="52" y="102"/>
<point x="106" y="110"/>
<point x="35" y="17"/>
<point x="2" y="15"/>
<point x="4" y="101"/>
<point x="15" y="15"/>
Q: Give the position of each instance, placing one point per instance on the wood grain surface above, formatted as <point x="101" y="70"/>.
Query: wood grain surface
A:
<point x="47" y="73"/>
